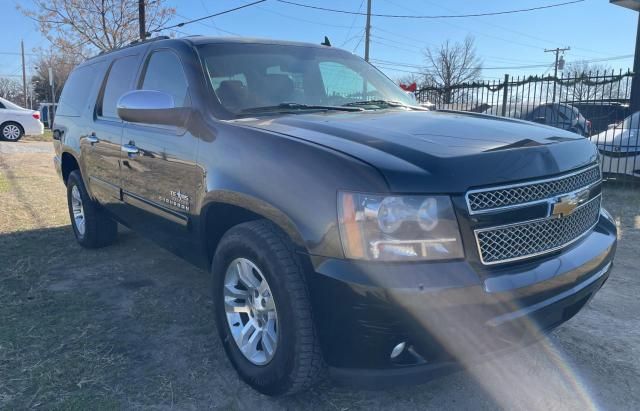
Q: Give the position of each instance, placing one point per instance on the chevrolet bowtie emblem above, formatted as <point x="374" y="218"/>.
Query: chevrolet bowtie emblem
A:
<point x="565" y="205"/>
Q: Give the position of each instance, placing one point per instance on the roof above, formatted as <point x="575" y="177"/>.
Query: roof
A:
<point x="200" y="40"/>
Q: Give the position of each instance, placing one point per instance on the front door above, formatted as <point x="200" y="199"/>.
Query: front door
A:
<point x="159" y="172"/>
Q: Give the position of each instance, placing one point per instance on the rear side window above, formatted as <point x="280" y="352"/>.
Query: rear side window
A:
<point x="76" y="91"/>
<point x="164" y="73"/>
<point x="1" y="105"/>
<point x="119" y="81"/>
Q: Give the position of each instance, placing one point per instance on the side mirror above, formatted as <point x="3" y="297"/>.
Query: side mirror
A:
<point x="151" y="107"/>
<point x="541" y="120"/>
<point x="611" y="126"/>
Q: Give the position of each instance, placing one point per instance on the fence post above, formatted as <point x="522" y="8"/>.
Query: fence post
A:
<point x="504" y="95"/>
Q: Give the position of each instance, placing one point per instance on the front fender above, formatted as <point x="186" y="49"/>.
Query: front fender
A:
<point x="292" y="182"/>
<point x="256" y="206"/>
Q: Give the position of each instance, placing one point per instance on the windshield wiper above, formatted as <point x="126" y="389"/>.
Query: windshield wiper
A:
<point x="382" y="103"/>
<point x="391" y="103"/>
<point x="296" y="107"/>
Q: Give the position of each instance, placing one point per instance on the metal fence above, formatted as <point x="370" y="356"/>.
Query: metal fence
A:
<point x="594" y="105"/>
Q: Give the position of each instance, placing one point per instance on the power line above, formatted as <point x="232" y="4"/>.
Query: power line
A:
<point x="407" y="65"/>
<point x="404" y="16"/>
<point x="13" y="53"/>
<point x="544" y="40"/>
<point x="340" y="26"/>
<point x="353" y="22"/>
<point x="382" y="43"/>
<point x="212" y="26"/>
<point x="208" y="17"/>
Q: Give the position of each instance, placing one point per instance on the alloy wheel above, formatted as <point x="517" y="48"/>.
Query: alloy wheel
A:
<point x="11" y="132"/>
<point x="77" y="210"/>
<point x="251" y="311"/>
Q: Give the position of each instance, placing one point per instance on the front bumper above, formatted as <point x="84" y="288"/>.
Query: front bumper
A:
<point x="448" y="313"/>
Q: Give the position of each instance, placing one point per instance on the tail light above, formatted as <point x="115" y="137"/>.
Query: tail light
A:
<point x="36" y="115"/>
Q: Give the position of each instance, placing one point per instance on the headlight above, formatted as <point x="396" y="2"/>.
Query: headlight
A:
<point x="387" y="228"/>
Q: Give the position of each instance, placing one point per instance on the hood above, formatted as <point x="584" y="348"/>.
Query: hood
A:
<point x="419" y="151"/>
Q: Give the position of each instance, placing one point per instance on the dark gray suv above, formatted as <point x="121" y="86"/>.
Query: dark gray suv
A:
<point x="345" y="229"/>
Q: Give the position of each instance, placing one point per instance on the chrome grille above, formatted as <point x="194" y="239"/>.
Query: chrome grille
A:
<point x="527" y="239"/>
<point x="481" y="201"/>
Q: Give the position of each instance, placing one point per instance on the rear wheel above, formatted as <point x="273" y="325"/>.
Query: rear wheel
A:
<point x="262" y="309"/>
<point x="11" y="131"/>
<point x="92" y="227"/>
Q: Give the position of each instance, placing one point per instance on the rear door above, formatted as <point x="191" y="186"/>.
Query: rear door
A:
<point x="101" y="146"/>
<point x="159" y="181"/>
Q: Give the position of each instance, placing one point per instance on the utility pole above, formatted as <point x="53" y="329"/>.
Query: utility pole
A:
<point x="367" y="30"/>
<point x="24" y="76"/>
<point x="555" y="68"/>
<point x="634" y="103"/>
<point x="52" y="113"/>
<point x="141" y="20"/>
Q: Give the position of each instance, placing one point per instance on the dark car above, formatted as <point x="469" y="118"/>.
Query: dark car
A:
<point x="560" y="115"/>
<point x="345" y="229"/>
<point x="602" y="113"/>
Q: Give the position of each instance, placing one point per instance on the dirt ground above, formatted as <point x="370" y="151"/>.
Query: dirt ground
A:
<point x="130" y="326"/>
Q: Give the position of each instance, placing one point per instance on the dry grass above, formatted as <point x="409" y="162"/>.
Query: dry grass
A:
<point x="46" y="136"/>
<point x="32" y="194"/>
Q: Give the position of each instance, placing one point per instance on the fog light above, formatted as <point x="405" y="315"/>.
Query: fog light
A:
<point x="398" y="349"/>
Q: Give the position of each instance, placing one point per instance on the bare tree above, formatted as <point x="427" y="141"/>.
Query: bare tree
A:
<point x="586" y="81"/>
<point x="10" y="89"/>
<point x="452" y="64"/>
<point x="84" y="26"/>
<point x="61" y="64"/>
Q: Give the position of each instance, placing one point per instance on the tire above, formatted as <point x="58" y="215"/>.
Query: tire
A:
<point x="11" y="131"/>
<point x="296" y="361"/>
<point x="93" y="228"/>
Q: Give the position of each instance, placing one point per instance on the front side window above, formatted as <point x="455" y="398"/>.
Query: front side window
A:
<point x="246" y="77"/>
<point x="164" y="73"/>
<point x="119" y="81"/>
<point x="341" y="82"/>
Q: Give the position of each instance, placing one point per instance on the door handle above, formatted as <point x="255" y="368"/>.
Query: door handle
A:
<point x="129" y="149"/>
<point x="92" y="139"/>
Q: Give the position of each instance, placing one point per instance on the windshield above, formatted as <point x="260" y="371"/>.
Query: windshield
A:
<point x="247" y="77"/>
<point x="632" y="122"/>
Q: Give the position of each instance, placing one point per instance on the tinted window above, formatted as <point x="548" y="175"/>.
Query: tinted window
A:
<point x="249" y="76"/>
<point x="76" y="91"/>
<point x="119" y="82"/>
<point x="343" y="82"/>
<point x="164" y="73"/>
<point x="1" y="105"/>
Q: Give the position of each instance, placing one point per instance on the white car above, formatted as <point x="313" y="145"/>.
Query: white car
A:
<point x="16" y="121"/>
<point x="619" y="147"/>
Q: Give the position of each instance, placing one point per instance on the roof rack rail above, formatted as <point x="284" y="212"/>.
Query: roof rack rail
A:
<point x="135" y="43"/>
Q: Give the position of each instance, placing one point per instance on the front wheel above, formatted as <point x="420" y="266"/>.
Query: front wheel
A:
<point x="262" y="309"/>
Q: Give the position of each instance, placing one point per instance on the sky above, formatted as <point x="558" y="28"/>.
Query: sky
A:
<point x="594" y="29"/>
